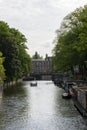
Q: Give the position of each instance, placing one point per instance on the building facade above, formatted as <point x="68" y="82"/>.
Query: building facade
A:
<point x="42" y="65"/>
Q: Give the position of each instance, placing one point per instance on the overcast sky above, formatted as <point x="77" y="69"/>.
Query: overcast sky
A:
<point x="37" y="20"/>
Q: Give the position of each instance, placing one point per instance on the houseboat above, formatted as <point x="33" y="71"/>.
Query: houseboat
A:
<point x="79" y="95"/>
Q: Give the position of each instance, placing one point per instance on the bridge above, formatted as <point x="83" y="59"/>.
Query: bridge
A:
<point x="46" y="75"/>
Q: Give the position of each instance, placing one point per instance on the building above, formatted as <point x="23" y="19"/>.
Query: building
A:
<point x="42" y="65"/>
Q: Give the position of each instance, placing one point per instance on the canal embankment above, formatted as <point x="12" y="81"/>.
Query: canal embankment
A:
<point x="8" y="84"/>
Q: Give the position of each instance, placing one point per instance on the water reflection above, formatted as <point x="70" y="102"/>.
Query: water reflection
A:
<point x="65" y="107"/>
<point x="13" y="104"/>
<point x="38" y="108"/>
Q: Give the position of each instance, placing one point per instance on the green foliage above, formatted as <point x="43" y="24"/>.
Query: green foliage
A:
<point x="36" y="56"/>
<point x="2" y="70"/>
<point x="12" y="45"/>
<point x="71" y="41"/>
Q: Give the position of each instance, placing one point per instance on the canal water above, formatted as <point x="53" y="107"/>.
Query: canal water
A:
<point x="38" y="108"/>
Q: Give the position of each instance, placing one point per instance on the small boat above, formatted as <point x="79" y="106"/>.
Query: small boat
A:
<point x="33" y="84"/>
<point x="66" y="96"/>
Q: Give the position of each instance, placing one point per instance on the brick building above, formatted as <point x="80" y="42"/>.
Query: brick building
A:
<point x="42" y="65"/>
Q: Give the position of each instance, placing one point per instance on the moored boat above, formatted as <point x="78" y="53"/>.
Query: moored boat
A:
<point x="66" y="96"/>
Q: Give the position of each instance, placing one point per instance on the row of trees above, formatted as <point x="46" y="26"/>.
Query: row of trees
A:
<point x="70" y="50"/>
<point x="16" y="59"/>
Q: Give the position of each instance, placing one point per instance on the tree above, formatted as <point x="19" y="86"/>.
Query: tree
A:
<point x="22" y="60"/>
<point x="12" y="45"/>
<point x="36" y="56"/>
<point x="2" y="70"/>
<point x="71" y="41"/>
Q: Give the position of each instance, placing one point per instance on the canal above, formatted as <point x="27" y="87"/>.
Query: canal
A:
<point x="38" y="108"/>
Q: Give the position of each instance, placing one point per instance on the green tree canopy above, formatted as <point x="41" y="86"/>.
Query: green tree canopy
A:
<point x="12" y="45"/>
<point x="36" y="56"/>
<point x="71" y="40"/>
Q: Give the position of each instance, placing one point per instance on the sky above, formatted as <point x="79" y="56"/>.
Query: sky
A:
<point x="37" y="20"/>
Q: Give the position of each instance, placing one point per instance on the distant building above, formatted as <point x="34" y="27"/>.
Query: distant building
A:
<point x="42" y="65"/>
